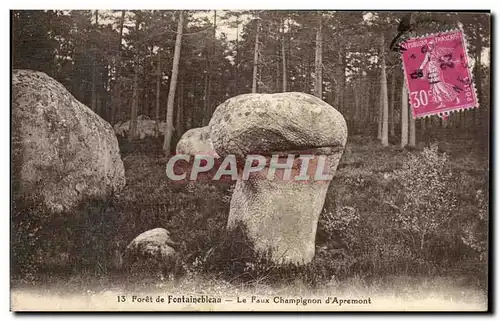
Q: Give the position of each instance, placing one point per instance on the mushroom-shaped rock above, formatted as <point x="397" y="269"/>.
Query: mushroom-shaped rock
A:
<point x="196" y="141"/>
<point x="63" y="153"/>
<point x="153" y="248"/>
<point x="279" y="214"/>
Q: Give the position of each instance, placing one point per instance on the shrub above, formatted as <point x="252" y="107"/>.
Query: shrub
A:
<point x="428" y="203"/>
<point x="419" y="217"/>
<point x="434" y="213"/>
<point x="474" y="229"/>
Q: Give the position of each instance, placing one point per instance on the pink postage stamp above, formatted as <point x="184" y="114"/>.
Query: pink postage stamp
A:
<point x="438" y="74"/>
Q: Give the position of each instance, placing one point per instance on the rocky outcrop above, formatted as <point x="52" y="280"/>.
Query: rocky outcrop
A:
<point x="279" y="214"/>
<point x="63" y="153"/>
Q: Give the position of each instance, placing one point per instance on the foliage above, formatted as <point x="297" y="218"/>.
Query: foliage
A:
<point x="473" y="228"/>
<point x="428" y="203"/>
<point x="414" y="214"/>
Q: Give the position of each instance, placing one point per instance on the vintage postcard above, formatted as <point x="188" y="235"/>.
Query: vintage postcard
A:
<point x="250" y="160"/>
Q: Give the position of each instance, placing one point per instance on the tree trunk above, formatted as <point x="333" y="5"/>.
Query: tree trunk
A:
<point x="423" y="127"/>
<point x="180" y="111"/>
<point x="464" y="121"/>
<point x="318" y="64"/>
<point x="290" y="85"/>
<point x="173" y="83"/>
<point x="177" y="113"/>
<point x="98" y="109"/>
<point x="256" y="57"/>
<point x="307" y="87"/>
<point x="369" y="100"/>
<point x="205" y="91"/>
<point x="283" y="56"/>
<point x="277" y="79"/>
<point x="412" y="131"/>
<point x="392" y="121"/>
<point x="404" y="116"/>
<point x="340" y="73"/>
<point x="380" y="113"/>
<point x="207" y="110"/>
<point x="144" y="107"/>
<point x="93" y="103"/>
<point x="357" y="101"/>
<point x="363" y="99"/>
<point x="115" y="100"/>
<point x="478" y="82"/>
<point x="135" y="101"/>
<point x="422" y="243"/>
<point x="106" y="92"/>
<point x="237" y="57"/>
<point x="235" y="82"/>
<point x="158" y="89"/>
<point x="77" y="84"/>
<point x="135" y="95"/>
<point x="384" y="100"/>
<point x="211" y="101"/>
<point x="190" y="112"/>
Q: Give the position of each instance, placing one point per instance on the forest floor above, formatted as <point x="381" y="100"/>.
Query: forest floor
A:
<point x="145" y="183"/>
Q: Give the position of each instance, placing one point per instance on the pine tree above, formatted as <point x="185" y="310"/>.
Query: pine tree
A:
<point x="173" y="84"/>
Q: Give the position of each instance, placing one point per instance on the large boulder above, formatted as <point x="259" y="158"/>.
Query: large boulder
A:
<point x="279" y="214"/>
<point x="63" y="153"/>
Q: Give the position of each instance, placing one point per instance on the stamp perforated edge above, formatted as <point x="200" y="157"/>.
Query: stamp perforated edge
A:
<point x="446" y="113"/>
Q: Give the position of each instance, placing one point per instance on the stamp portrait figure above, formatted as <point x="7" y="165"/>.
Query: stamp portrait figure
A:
<point x="435" y="60"/>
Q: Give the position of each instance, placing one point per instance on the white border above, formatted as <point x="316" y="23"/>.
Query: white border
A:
<point x="193" y="4"/>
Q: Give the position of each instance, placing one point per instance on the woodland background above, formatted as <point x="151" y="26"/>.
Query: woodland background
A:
<point x="120" y="63"/>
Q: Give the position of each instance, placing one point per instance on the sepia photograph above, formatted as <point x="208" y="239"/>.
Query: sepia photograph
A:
<point x="250" y="160"/>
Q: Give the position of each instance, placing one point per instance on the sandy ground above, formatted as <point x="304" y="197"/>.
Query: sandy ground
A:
<point x="409" y="296"/>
